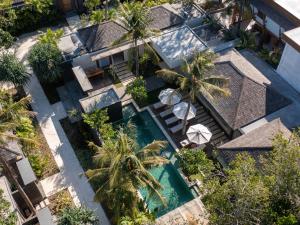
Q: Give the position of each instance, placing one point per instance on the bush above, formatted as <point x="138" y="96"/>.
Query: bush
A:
<point x="51" y="37"/>
<point x="138" y="91"/>
<point x="12" y="70"/>
<point x="38" y="164"/>
<point x="77" y="216"/>
<point x="61" y="201"/>
<point x="194" y="163"/>
<point x="45" y="60"/>
<point x="6" y="39"/>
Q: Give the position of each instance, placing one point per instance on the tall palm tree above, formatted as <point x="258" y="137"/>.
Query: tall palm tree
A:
<point x="135" y="16"/>
<point x="194" y="79"/>
<point x="121" y="170"/>
<point x="10" y="114"/>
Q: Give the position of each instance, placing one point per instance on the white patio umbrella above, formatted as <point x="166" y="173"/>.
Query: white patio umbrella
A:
<point x="181" y="108"/>
<point x="198" y="134"/>
<point x="169" y="96"/>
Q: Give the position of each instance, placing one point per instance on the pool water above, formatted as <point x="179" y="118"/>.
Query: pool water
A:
<point x="175" y="191"/>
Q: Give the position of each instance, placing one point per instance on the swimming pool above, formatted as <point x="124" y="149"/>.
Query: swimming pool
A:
<point x="175" y="191"/>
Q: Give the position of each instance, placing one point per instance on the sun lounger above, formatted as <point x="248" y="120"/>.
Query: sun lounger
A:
<point x="166" y="113"/>
<point x="187" y="143"/>
<point x="171" y="120"/>
<point x="176" y="128"/>
<point x="158" y="105"/>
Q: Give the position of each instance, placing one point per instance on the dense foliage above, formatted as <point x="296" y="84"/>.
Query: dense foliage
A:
<point x="194" y="163"/>
<point x="137" y="89"/>
<point x="12" y="70"/>
<point x="268" y="194"/>
<point x="45" y="60"/>
<point x="7" y="217"/>
<point x="99" y="120"/>
<point x="140" y="218"/>
<point x="77" y="216"/>
<point x="51" y="37"/>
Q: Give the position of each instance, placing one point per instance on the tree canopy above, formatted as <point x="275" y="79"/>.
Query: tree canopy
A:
<point x="77" y="216"/>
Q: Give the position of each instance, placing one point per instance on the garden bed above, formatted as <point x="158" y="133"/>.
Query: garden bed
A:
<point x="60" y="201"/>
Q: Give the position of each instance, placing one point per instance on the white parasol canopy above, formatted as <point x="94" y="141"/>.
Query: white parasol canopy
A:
<point x="181" y="108"/>
<point x="198" y="134"/>
<point x="169" y="96"/>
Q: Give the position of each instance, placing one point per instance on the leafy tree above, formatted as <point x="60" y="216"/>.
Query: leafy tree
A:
<point x="140" y="218"/>
<point x="137" y="89"/>
<point x="242" y="199"/>
<point x="4" y="4"/>
<point x="41" y="6"/>
<point x="195" y="79"/>
<point x="97" y="16"/>
<point x="121" y="170"/>
<point x="6" y="39"/>
<point x="195" y="163"/>
<point x="51" y="37"/>
<point x="12" y="70"/>
<point x="91" y="4"/>
<point x="282" y="168"/>
<point x="136" y="18"/>
<point x="45" y="60"/>
<point x="77" y="216"/>
<point x="98" y="120"/>
<point x="7" y="217"/>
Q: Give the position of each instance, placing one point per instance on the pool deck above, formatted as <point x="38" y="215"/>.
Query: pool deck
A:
<point x="193" y="211"/>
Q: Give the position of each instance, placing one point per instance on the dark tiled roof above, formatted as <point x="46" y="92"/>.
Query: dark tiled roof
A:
<point x="162" y="18"/>
<point x="249" y="100"/>
<point x="97" y="37"/>
<point x="256" y="142"/>
<point x="274" y="14"/>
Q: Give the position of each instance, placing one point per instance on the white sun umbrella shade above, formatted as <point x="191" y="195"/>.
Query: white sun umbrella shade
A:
<point x="169" y="96"/>
<point x="181" y="108"/>
<point x="199" y="134"/>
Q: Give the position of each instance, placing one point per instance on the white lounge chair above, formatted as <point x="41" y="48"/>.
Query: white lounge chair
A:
<point x="176" y="128"/>
<point x="171" y="120"/>
<point x="166" y="112"/>
<point x="158" y="105"/>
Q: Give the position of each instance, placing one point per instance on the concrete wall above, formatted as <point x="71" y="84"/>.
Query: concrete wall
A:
<point x="289" y="66"/>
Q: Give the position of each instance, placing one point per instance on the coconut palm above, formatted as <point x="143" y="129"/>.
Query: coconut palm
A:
<point x="11" y="113"/>
<point x="135" y="16"/>
<point x="121" y="170"/>
<point x="12" y="70"/>
<point x="194" y="79"/>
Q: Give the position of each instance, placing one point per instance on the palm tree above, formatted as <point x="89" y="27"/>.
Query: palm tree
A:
<point x="121" y="170"/>
<point x="10" y="114"/>
<point x="12" y="70"/>
<point x="135" y="16"/>
<point x="195" y="80"/>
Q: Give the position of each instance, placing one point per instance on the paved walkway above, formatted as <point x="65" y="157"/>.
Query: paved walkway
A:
<point x="70" y="168"/>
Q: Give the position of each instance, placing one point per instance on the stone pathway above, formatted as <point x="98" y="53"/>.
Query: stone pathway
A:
<point x="71" y="172"/>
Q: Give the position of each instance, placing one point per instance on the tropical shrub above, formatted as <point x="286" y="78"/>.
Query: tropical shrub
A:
<point x="98" y="120"/>
<point x="194" y="163"/>
<point x="12" y="70"/>
<point x="45" y="60"/>
<point x="38" y="164"/>
<point x="140" y="218"/>
<point x="137" y="89"/>
<point x="77" y="216"/>
<point x="271" y="57"/>
<point x="6" y="39"/>
<point x="60" y="201"/>
<point x="51" y="37"/>
<point x="7" y="217"/>
<point x="247" y="40"/>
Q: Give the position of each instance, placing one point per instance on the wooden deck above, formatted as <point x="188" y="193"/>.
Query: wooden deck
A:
<point x="203" y="117"/>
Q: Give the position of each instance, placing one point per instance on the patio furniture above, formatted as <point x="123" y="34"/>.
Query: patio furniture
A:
<point x="198" y="134"/>
<point x="176" y="128"/>
<point x="94" y="72"/>
<point x="186" y="143"/>
<point x="158" y="105"/>
<point x="180" y="111"/>
<point x="171" y="120"/>
<point x="166" y="113"/>
<point x="169" y="96"/>
<point x="82" y="78"/>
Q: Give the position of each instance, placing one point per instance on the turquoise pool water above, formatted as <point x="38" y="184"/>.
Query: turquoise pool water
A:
<point x="175" y="191"/>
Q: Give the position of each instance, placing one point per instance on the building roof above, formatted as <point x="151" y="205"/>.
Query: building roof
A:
<point x="275" y="14"/>
<point x="99" y="101"/>
<point x="292" y="37"/>
<point x="163" y="18"/>
<point x="176" y="45"/>
<point x="256" y="142"/>
<point x="100" y="36"/>
<point x="292" y="6"/>
<point x="249" y="100"/>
